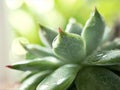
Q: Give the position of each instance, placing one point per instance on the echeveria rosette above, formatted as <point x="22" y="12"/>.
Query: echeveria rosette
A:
<point x="70" y="59"/>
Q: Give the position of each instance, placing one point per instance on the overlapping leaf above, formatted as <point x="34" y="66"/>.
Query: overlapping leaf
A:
<point x="32" y="82"/>
<point x="38" y="51"/>
<point x="39" y="64"/>
<point x="97" y="78"/>
<point x="69" y="46"/>
<point x="47" y="35"/>
<point x="73" y="27"/>
<point x="26" y="75"/>
<point x="104" y="58"/>
<point x="93" y="32"/>
<point x="60" y="79"/>
<point x="111" y="45"/>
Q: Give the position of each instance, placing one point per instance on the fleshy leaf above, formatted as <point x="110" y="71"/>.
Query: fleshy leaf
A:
<point x="104" y="58"/>
<point x="112" y="45"/>
<point x="106" y="35"/>
<point x="97" y="78"/>
<point x="73" y="27"/>
<point x="26" y="75"/>
<point x="37" y="50"/>
<point x="32" y="82"/>
<point x="93" y="32"/>
<point x="69" y="47"/>
<point x="47" y="35"/>
<point x="60" y="79"/>
<point x="30" y="56"/>
<point x="39" y="64"/>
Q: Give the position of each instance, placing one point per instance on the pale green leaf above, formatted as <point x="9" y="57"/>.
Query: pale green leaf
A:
<point x="26" y="75"/>
<point x="111" y="45"/>
<point x="93" y="32"/>
<point x="30" y="56"/>
<point x="60" y="79"/>
<point x="32" y="82"/>
<point x="39" y="64"/>
<point x="97" y="78"/>
<point x="104" y="58"/>
<point x="73" y="27"/>
<point x="69" y="47"/>
<point x="47" y="35"/>
<point x="37" y="50"/>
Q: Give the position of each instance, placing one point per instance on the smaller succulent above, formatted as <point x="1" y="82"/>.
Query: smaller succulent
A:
<point x="74" y="59"/>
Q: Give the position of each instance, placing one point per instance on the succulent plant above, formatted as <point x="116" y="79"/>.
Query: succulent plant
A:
<point x="72" y="59"/>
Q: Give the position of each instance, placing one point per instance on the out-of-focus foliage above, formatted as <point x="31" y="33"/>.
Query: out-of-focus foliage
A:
<point x="24" y="24"/>
<point x="26" y="15"/>
<point x="75" y="8"/>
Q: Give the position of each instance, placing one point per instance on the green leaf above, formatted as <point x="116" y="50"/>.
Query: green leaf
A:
<point x="38" y="50"/>
<point x="97" y="78"/>
<point x="112" y="45"/>
<point x="93" y="32"/>
<point x="47" y="35"/>
<point x="106" y="35"/>
<point x="73" y="27"/>
<point x="30" y="56"/>
<point x="39" y="64"/>
<point x="26" y="75"/>
<point x="32" y="82"/>
<point x="60" y="79"/>
<point x="69" y="47"/>
<point x="104" y="58"/>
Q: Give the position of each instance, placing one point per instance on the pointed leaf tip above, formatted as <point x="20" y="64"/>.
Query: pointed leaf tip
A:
<point x="95" y="8"/>
<point x="47" y="35"/>
<point x="22" y="44"/>
<point x="59" y="30"/>
<point x="96" y="12"/>
<point x="70" y="47"/>
<point x="8" y="66"/>
<point x="42" y="27"/>
<point x="93" y="31"/>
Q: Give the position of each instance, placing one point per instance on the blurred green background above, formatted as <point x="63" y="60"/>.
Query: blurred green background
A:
<point x="26" y="15"/>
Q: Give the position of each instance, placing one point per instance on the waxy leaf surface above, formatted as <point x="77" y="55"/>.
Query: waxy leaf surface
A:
<point x="39" y="64"/>
<point x="37" y="51"/>
<point x="32" y="82"/>
<point x="60" y="79"/>
<point x="47" y="35"/>
<point x="97" y="78"/>
<point x="104" y="58"/>
<point x="73" y="27"/>
<point x="93" y="32"/>
<point x="69" y="47"/>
